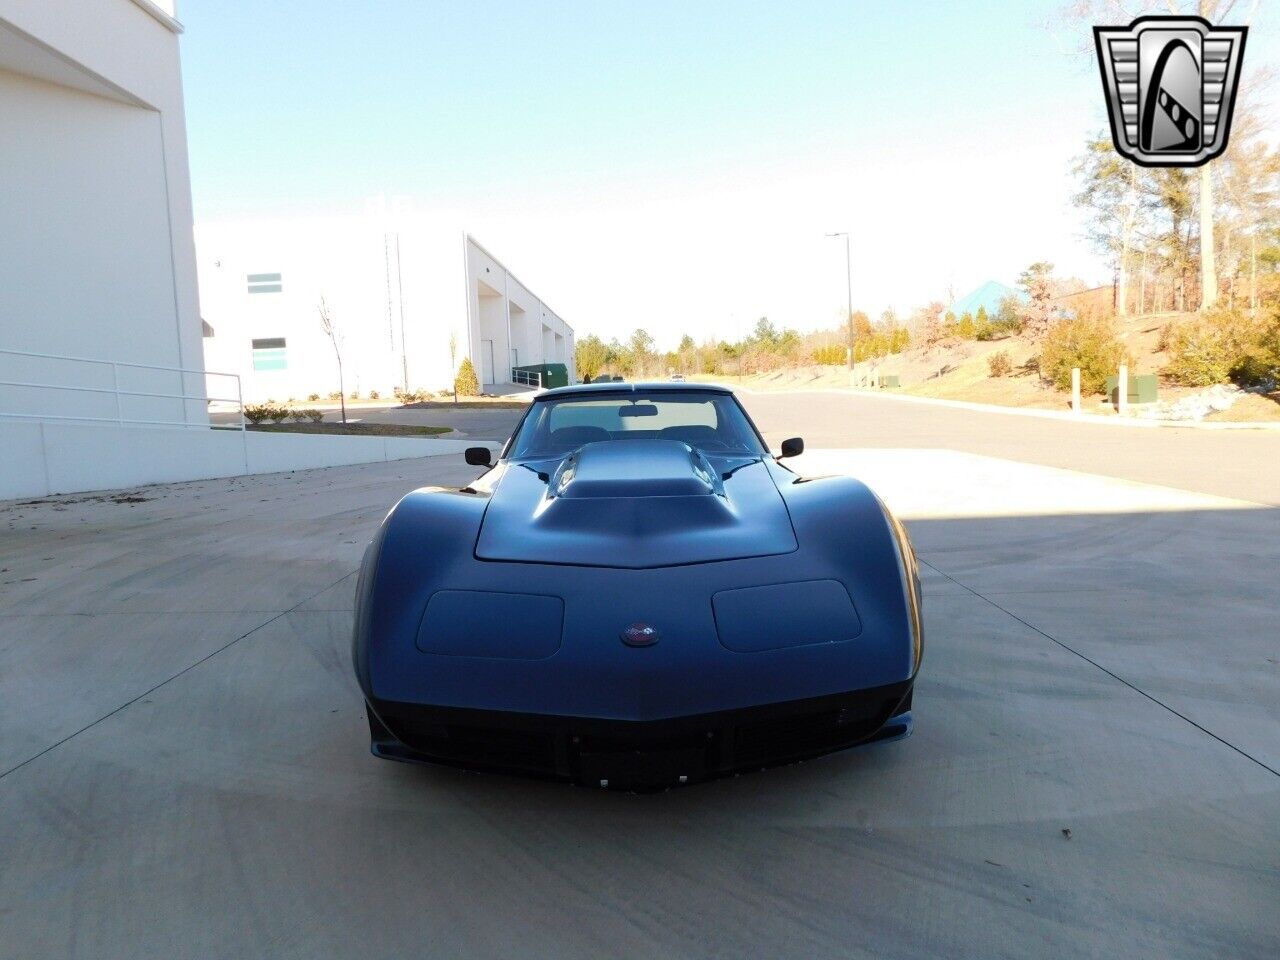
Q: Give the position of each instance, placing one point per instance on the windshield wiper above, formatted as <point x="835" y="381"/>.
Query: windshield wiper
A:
<point x="747" y="463"/>
<point x="544" y="477"/>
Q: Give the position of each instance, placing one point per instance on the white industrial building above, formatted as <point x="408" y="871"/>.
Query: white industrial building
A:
<point x="103" y="381"/>
<point x="395" y="292"/>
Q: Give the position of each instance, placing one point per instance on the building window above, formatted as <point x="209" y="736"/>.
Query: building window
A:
<point x="269" y="354"/>
<point x="264" y="283"/>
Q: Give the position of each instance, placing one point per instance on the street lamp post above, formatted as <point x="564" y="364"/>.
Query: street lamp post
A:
<point x="848" y="283"/>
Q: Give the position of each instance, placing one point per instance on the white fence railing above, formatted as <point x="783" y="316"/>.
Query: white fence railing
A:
<point x="528" y="378"/>
<point x="123" y="407"/>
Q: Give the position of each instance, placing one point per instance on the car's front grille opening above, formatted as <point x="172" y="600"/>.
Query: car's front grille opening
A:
<point x="532" y="752"/>
<point x="646" y="753"/>
<point x="775" y="740"/>
<point x="802" y="734"/>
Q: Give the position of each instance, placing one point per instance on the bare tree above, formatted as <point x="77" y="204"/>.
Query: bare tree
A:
<point x="641" y="344"/>
<point x="326" y="324"/>
<point x="1038" y="311"/>
<point x="926" y="324"/>
<point x="453" y="362"/>
<point x="1213" y="11"/>
<point x="1249" y="178"/>
<point x="1118" y="196"/>
<point x="1250" y="184"/>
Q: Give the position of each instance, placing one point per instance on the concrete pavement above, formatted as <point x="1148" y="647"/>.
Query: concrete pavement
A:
<point x="184" y="768"/>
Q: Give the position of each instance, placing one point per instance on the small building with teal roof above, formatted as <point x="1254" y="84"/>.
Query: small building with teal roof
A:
<point x="989" y="296"/>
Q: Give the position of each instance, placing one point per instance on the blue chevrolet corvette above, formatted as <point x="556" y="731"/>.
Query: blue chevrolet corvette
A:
<point x="636" y="595"/>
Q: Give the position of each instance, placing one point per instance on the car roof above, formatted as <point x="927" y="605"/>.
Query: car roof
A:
<point x="643" y="386"/>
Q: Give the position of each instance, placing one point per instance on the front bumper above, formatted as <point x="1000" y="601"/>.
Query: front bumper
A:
<point x="639" y="755"/>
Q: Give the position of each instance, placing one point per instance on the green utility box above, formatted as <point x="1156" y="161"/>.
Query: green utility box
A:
<point x="1142" y="389"/>
<point x="552" y="374"/>
<point x="890" y="381"/>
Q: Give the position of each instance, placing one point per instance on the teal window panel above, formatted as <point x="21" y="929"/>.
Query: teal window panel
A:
<point x="269" y="354"/>
<point x="264" y="283"/>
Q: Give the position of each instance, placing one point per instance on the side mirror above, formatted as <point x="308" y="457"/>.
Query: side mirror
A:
<point x="792" y="448"/>
<point x="479" y="456"/>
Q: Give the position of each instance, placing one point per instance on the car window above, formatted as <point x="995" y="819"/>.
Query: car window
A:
<point x="714" y="423"/>
<point x="608" y="414"/>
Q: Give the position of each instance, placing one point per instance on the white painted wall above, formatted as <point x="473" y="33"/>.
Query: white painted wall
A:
<point x="96" y="253"/>
<point x="53" y="458"/>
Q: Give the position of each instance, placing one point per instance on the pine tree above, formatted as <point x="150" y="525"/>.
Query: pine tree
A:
<point x="466" y="383"/>
<point x="981" y="324"/>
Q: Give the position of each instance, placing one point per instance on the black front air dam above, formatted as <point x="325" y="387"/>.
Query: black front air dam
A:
<point x="639" y="755"/>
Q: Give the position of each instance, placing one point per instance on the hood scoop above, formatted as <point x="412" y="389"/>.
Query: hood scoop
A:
<point x="635" y="504"/>
<point x="635" y="468"/>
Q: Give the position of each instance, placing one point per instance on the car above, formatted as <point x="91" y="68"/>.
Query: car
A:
<point x="637" y="594"/>
<point x="677" y="378"/>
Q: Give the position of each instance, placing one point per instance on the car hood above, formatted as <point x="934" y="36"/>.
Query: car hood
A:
<point x="635" y="504"/>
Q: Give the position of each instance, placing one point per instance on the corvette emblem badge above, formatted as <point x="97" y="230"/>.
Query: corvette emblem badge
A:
<point x="640" y="635"/>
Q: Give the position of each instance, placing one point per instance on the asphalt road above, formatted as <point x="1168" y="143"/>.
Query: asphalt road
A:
<point x="184" y="768"/>
<point x="474" y="422"/>
<point x="1244" y="464"/>
<point x="470" y="421"/>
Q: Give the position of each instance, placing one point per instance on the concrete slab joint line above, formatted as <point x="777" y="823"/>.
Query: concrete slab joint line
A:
<point x="1095" y="663"/>
<point x="185" y="670"/>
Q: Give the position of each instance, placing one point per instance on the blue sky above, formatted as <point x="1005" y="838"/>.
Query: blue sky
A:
<point x="692" y="154"/>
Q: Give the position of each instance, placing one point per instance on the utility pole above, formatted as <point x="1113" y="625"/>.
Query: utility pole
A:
<point x="848" y="284"/>
<point x="404" y="349"/>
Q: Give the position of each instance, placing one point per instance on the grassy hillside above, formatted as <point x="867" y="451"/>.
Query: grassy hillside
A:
<point x="958" y="370"/>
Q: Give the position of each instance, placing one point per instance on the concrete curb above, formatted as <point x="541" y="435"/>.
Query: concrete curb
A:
<point x="62" y="458"/>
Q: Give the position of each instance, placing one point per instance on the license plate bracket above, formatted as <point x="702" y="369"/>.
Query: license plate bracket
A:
<point x="635" y="769"/>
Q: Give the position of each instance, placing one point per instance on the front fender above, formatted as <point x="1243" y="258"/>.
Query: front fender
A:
<point x="843" y="519"/>
<point x="425" y="535"/>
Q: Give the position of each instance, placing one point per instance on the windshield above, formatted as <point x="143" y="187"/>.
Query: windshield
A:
<point x="711" y="422"/>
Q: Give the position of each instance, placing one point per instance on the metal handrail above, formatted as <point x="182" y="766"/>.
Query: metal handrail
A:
<point x="123" y="393"/>
<point x="116" y="391"/>
<point x="528" y="377"/>
<point x="130" y="420"/>
<point x="116" y="363"/>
